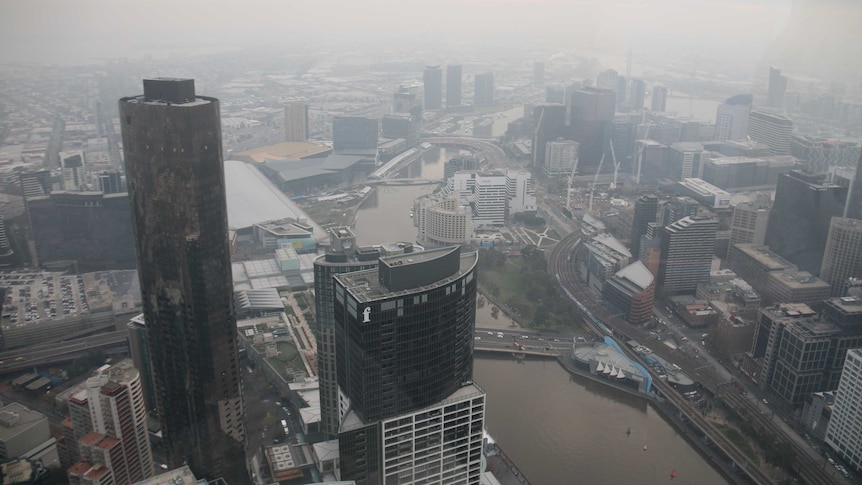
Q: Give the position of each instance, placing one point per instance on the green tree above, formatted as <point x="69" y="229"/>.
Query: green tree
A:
<point x="495" y="312"/>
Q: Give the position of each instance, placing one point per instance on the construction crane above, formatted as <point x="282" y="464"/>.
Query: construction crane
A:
<point x="641" y="153"/>
<point x="616" y="166"/>
<point x="569" y="187"/>
<point x="592" y="186"/>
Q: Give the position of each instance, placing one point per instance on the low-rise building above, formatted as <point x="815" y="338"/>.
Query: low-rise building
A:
<point x="632" y="290"/>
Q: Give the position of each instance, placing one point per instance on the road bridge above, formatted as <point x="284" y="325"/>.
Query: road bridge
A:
<point x="495" y="155"/>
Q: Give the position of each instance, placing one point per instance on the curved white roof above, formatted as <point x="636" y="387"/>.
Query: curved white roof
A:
<point x="253" y="199"/>
<point x="637" y="273"/>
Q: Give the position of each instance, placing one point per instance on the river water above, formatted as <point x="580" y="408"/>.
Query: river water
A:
<point x="556" y="428"/>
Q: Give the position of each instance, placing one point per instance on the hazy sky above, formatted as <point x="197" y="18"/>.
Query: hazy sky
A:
<point x="85" y="30"/>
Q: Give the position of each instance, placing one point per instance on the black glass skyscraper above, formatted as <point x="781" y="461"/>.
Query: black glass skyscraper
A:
<point x="646" y="210"/>
<point x="591" y="123"/>
<point x="483" y="93"/>
<point x="404" y="359"/>
<point x="799" y="222"/>
<point x="173" y="153"/>
<point x="453" y="85"/>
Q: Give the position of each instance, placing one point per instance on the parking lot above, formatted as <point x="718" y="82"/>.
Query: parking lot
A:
<point x="34" y="297"/>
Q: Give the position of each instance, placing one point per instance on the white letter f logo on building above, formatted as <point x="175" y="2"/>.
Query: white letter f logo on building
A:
<point x="366" y="315"/>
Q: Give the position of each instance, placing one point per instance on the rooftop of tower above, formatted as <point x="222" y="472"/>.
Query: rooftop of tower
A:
<point x="169" y="91"/>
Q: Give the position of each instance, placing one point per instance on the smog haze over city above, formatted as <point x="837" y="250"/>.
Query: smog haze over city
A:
<point x="415" y="241"/>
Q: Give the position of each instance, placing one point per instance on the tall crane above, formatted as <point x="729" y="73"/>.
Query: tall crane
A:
<point x="616" y="166"/>
<point x="641" y="153"/>
<point x="569" y="187"/>
<point x="592" y="186"/>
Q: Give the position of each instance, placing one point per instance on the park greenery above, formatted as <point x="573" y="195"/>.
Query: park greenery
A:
<point x="523" y="287"/>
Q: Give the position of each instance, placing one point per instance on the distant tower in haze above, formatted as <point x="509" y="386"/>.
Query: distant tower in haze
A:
<point x="621" y="90"/>
<point x="549" y="121"/>
<point x="354" y="133"/>
<point x="607" y="79"/>
<point x="637" y="93"/>
<point x="538" y="73"/>
<point x="659" y="99"/>
<point x="296" y="121"/>
<point x="773" y="129"/>
<point x="853" y="208"/>
<point x="842" y="258"/>
<point x="591" y="124"/>
<point x="433" y="83"/>
<point x="175" y="174"/>
<point x="731" y="118"/>
<point x="453" y="85"/>
<point x="483" y="94"/>
<point x="777" y="87"/>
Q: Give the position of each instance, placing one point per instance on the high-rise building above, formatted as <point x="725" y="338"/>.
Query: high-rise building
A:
<point x="73" y="170"/>
<point x="343" y="256"/>
<point x="140" y="353"/>
<point x="676" y="208"/>
<point x="621" y="91"/>
<point x="659" y="99"/>
<point x="777" y="87"/>
<point x="354" y="133"/>
<point x="433" y="84"/>
<point x="686" y="160"/>
<point x="591" y="124"/>
<point x="404" y="358"/>
<point x="483" y="93"/>
<point x="296" y="121"/>
<point x="406" y="100"/>
<point x="731" y="118"/>
<point x="560" y="156"/>
<point x="632" y="290"/>
<point x="686" y="254"/>
<point x="842" y="258"/>
<point x="771" y="128"/>
<point x="555" y="94"/>
<point x="607" y="79"/>
<point x="845" y="425"/>
<point x="5" y="247"/>
<point x="454" y="75"/>
<point x="110" y="182"/>
<point x="538" y="73"/>
<point x="637" y="91"/>
<point x="111" y="415"/>
<point x="459" y="163"/>
<point x="549" y="121"/>
<point x="646" y="209"/>
<point x="799" y="221"/>
<point x="179" y="212"/>
<point x="853" y="207"/>
<point x="749" y="221"/>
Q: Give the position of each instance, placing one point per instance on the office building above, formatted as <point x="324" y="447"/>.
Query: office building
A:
<point x="632" y="290"/>
<point x="110" y="414"/>
<point x="607" y="79"/>
<point x="5" y="247"/>
<point x="555" y="94"/>
<point x="442" y="220"/>
<point x="591" y="125"/>
<point x="560" y="156"/>
<point x="22" y="471"/>
<point x="771" y="128"/>
<point x="342" y="256"/>
<point x="621" y="91"/>
<point x="676" y="208"/>
<point x="686" y="160"/>
<point x="296" y="121"/>
<point x="404" y="357"/>
<point x="842" y="258"/>
<point x="406" y="100"/>
<point x="483" y="92"/>
<point x="636" y="94"/>
<point x="796" y="286"/>
<point x="686" y="253"/>
<point x="740" y="172"/>
<point x="749" y="221"/>
<point x="432" y="80"/>
<point x="777" y="87"/>
<point x="73" y="171"/>
<point x="845" y="423"/>
<point x="23" y="432"/>
<point x="179" y="213"/>
<point x="549" y="121"/>
<point x="731" y="118"/>
<point x="600" y="258"/>
<point x="140" y="354"/>
<point x="354" y="133"/>
<point x="110" y="182"/>
<point x="538" y="73"/>
<point x="704" y="193"/>
<point x="803" y="352"/>
<point x="646" y="210"/>
<point x="396" y="126"/>
<point x="799" y="221"/>
<point x="459" y="163"/>
<point x="820" y="154"/>
<point x="453" y="85"/>
<point x="659" y="99"/>
<point x="88" y="231"/>
<point x="493" y="196"/>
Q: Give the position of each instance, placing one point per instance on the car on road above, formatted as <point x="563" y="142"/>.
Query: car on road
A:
<point x="499" y="334"/>
<point x="477" y="338"/>
<point x="490" y="333"/>
<point x="765" y="401"/>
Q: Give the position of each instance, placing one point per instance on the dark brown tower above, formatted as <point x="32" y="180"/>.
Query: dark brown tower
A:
<point x="175" y="173"/>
